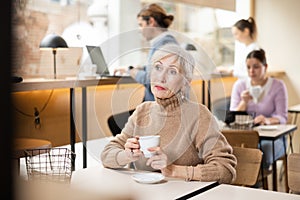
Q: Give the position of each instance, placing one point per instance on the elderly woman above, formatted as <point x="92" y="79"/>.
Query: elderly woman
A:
<point x="191" y="145"/>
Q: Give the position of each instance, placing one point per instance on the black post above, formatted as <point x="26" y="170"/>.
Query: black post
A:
<point x="84" y="126"/>
<point x="54" y="59"/>
<point x="72" y="130"/>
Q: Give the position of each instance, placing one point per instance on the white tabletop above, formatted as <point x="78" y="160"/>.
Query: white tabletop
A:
<point x="230" y="192"/>
<point x="279" y="130"/>
<point x="118" y="183"/>
<point x="295" y="108"/>
<point x="270" y="132"/>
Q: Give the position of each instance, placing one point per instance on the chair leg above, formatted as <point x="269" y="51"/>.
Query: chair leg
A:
<point x="265" y="183"/>
<point x="18" y="166"/>
<point x="264" y="178"/>
<point x="274" y="176"/>
<point x="289" y="150"/>
<point x="286" y="173"/>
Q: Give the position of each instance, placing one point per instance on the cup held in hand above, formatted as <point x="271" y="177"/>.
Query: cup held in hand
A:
<point x="255" y="92"/>
<point x="147" y="142"/>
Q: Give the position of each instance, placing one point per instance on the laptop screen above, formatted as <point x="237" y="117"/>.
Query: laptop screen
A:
<point x="97" y="58"/>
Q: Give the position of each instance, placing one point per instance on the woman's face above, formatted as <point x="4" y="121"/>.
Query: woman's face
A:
<point x="146" y="28"/>
<point x="256" y="70"/>
<point x="166" y="77"/>
<point x="239" y="35"/>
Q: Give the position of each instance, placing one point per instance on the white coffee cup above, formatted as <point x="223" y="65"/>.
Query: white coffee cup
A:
<point x="255" y="92"/>
<point x="147" y="142"/>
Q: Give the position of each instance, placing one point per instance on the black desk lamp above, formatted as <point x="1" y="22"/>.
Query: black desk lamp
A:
<point x="53" y="41"/>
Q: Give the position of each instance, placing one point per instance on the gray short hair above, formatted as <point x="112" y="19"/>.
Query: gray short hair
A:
<point x="185" y="59"/>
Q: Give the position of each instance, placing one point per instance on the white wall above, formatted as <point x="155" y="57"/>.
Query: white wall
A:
<point x="123" y="32"/>
<point x="279" y="34"/>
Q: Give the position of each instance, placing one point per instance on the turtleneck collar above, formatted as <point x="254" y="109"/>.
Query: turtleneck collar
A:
<point x="171" y="103"/>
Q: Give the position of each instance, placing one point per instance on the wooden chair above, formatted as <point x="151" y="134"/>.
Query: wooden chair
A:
<point x="22" y="144"/>
<point x="292" y="119"/>
<point x="294" y="172"/>
<point x="248" y="165"/>
<point x="245" y="139"/>
<point x="242" y="138"/>
<point x="250" y="139"/>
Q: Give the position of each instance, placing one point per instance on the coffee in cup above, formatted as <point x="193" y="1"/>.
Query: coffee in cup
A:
<point x="147" y="142"/>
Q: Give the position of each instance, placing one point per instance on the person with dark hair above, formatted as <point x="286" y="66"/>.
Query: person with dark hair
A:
<point x="265" y="96"/>
<point x="153" y="21"/>
<point x="191" y="144"/>
<point x="245" y="32"/>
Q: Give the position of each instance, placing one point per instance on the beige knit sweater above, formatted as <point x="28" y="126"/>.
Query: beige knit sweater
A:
<point x="189" y="137"/>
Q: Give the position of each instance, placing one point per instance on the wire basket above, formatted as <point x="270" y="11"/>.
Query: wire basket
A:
<point x="49" y="164"/>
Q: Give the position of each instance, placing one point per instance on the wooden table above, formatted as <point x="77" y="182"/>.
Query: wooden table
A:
<point x="272" y="135"/>
<point x="118" y="183"/>
<point x="71" y="83"/>
<point x="230" y="192"/>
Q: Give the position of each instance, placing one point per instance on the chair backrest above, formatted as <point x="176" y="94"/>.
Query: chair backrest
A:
<point x="242" y="138"/>
<point x="117" y="122"/>
<point x="293" y="165"/>
<point x="248" y="165"/>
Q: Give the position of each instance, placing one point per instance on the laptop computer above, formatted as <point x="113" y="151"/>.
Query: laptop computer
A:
<point x="98" y="59"/>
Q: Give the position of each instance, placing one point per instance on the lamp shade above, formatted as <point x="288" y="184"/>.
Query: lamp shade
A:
<point x="53" y="41"/>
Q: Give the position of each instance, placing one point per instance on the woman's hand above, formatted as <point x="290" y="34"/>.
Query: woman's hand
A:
<point x="120" y="71"/>
<point x="245" y="96"/>
<point x="132" y="148"/>
<point x="159" y="160"/>
<point x="265" y="121"/>
<point x="259" y="120"/>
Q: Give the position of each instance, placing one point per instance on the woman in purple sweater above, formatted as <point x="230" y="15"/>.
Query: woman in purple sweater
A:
<point x="265" y="96"/>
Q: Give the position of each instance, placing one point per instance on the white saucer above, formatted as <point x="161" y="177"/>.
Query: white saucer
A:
<point x="268" y="128"/>
<point x="148" y="177"/>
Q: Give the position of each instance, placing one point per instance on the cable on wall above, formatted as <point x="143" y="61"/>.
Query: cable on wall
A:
<point x="36" y="112"/>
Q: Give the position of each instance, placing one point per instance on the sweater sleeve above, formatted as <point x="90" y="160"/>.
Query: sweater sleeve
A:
<point x="142" y="76"/>
<point x="110" y="153"/>
<point x="281" y="102"/>
<point x="219" y="166"/>
<point x="218" y="162"/>
<point x="235" y="98"/>
<point x="113" y="154"/>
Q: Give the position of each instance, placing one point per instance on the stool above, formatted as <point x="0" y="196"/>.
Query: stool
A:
<point x="21" y="144"/>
